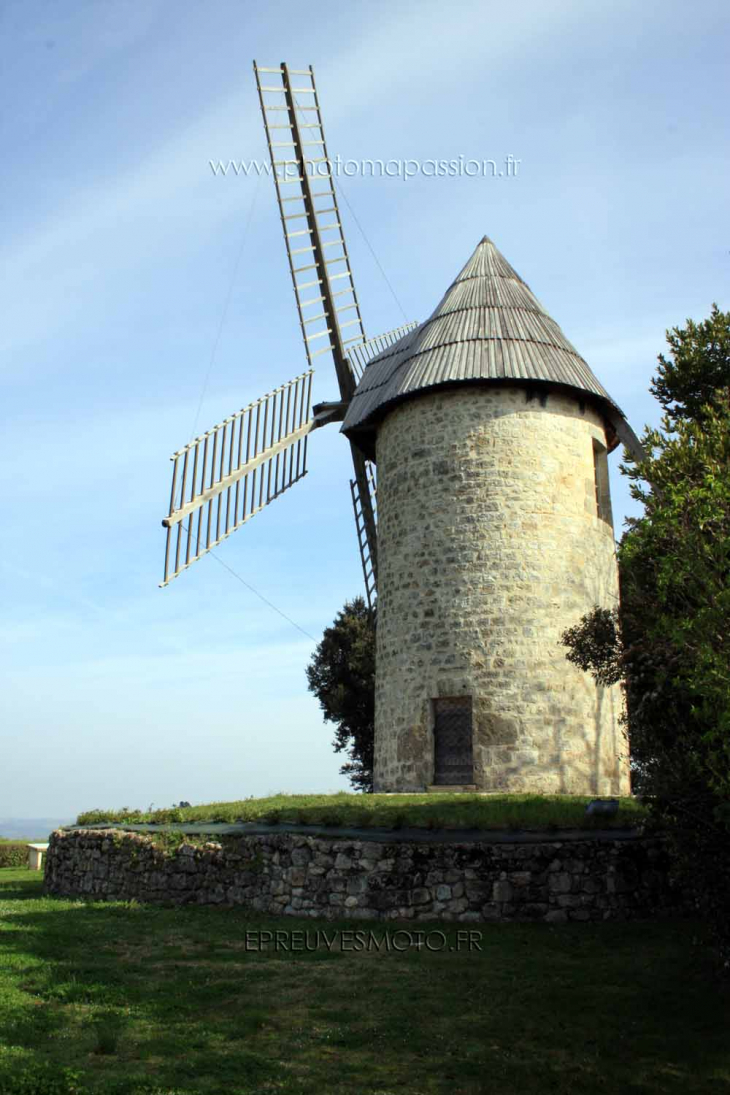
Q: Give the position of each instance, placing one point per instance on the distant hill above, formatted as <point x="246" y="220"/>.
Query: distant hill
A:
<point x="31" y="828"/>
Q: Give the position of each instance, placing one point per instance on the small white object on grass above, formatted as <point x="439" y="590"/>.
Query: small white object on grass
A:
<point x="35" y="856"/>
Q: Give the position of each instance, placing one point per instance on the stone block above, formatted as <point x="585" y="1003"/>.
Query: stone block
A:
<point x="556" y="916"/>
<point x="357" y="885"/>
<point x="478" y="892"/>
<point x="534" y="910"/>
<point x="520" y="878"/>
<point x="561" y="882"/>
<point x="590" y="885"/>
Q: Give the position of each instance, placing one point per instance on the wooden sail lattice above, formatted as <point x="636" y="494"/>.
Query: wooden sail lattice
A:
<point x="221" y="479"/>
<point x="361" y="356"/>
<point x="231" y="472"/>
<point x="324" y="289"/>
<point x="369" y="562"/>
<point x="329" y="311"/>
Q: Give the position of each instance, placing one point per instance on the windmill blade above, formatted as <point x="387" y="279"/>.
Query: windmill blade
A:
<point x="361" y="356"/>
<point x="329" y="311"/>
<point x="230" y="473"/>
<point x="324" y="289"/>
<point x="363" y="486"/>
<point x="368" y="560"/>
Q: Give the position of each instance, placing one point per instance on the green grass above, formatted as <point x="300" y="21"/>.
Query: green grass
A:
<point x="122" y="999"/>
<point x="430" y="811"/>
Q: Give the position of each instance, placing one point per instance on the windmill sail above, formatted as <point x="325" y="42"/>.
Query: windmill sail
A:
<point x="221" y="479"/>
<point x="368" y="561"/>
<point x="329" y="311"/>
<point x="361" y="356"/>
<point x="363" y="486"/>
<point x="224" y="477"/>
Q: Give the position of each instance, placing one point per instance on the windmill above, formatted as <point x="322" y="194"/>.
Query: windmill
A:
<point x="224" y="477"/>
<point x="494" y="530"/>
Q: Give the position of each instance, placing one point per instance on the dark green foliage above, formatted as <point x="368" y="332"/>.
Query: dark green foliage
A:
<point x="342" y="677"/>
<point x="13" y="853"/>
<point x="698" y="367"/>
<point x="673" y="650"/>
<point x="595" y="645"/>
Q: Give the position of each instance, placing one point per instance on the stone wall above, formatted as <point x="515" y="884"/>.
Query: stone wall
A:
<point x="489" y="546"/>
<point x="545" y="880"/>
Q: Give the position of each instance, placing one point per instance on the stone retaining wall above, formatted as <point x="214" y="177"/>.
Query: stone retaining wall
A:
<point x="299" y="875"/>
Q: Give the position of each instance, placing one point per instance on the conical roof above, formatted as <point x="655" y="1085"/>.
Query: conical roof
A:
<point x="489" y="326"/>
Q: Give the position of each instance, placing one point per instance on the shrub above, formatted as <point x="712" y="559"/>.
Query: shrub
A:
<point x="13" y="853"/>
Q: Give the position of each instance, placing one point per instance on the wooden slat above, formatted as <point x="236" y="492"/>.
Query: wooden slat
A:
<point x="238" y="477"/>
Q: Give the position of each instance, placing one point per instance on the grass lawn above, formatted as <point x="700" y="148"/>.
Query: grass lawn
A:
<point x="432" y="811"/>
<point x="133" y="999"/>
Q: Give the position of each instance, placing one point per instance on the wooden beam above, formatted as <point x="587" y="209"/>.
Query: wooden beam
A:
<point x="229" y="480"/>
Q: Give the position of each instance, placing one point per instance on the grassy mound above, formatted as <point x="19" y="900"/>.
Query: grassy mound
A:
<point x="427" y="811"/>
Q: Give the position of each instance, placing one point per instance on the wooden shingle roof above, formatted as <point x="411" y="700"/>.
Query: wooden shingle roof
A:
<point x="489" y="326"/>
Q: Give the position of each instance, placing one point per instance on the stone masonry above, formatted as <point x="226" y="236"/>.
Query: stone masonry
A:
<point x="549" y="880"/>
<point x="490" y="544"/>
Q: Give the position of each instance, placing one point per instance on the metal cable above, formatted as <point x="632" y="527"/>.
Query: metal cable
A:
<point x="338" y="187"/>
<point x="256" y="592"/>
<point x="224" y="313"/>
<point x="371" y="249"/>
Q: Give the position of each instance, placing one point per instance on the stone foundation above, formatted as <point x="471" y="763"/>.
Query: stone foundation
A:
<point x="499" y="879"/>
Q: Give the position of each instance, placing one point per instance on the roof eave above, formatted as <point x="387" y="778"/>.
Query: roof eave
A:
<point x="364" y="433"/>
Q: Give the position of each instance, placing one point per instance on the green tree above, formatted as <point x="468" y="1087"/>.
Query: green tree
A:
<point x="697" y="371"/>
<point x="670" y="642"/>
<point x="341" y="675"/>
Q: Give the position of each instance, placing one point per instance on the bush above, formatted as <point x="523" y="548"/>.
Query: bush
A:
<point x="13" y="853"/>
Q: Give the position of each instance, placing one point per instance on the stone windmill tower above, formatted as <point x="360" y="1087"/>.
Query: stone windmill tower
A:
<point x="491" y="437"/>
<point x="492" y="531"/>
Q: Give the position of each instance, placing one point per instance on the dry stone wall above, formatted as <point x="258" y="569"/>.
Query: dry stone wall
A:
<point x="490" y="545"/>
<point x="299" y="875"/>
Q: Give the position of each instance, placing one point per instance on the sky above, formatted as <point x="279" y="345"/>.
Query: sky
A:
<point x="146" y="298"/>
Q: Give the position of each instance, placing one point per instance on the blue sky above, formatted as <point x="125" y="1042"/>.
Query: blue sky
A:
<point x="118" y="250"/>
